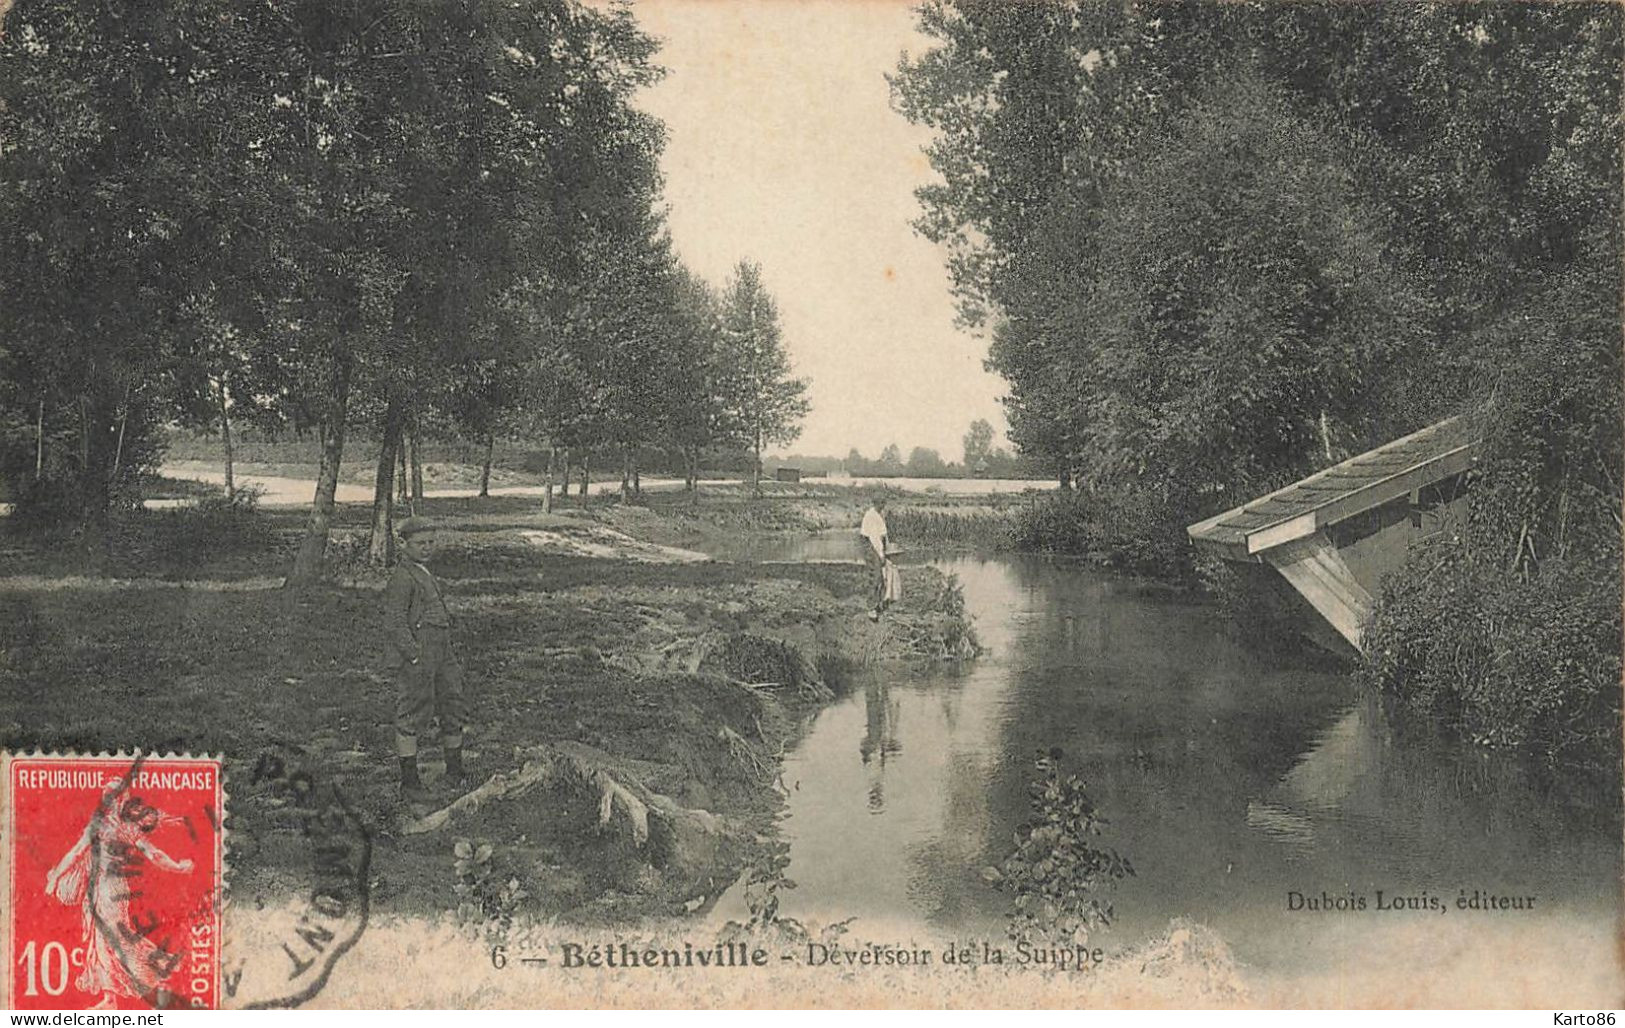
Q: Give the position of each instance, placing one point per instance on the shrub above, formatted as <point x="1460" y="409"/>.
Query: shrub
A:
<point x="185" y="537"/>
<point x="1133" y="531"/>
<point x="1524" y="659"/>
<point x="761" y="660"/>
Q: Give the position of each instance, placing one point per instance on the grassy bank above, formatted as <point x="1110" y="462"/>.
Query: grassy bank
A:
<point x="682" y="682"/>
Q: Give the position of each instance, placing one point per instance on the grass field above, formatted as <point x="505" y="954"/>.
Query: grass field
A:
<point x="171" y="633"/>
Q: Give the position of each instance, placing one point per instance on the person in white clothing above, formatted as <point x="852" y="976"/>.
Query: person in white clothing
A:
<point x="873" y="532"/>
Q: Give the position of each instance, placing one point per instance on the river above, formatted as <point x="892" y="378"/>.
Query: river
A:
<point x="1229" y="780"/>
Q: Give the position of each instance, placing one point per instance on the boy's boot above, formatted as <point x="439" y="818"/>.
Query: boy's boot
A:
<point x="455" y="775"/>
<point x="411" y="784"/>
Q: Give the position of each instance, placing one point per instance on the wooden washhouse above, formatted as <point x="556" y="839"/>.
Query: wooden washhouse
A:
<point x="1334" y="534"/>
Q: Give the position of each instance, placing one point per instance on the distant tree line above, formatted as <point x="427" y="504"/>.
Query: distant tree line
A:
<point x="980" y="459"/>
<point x="315" y="216"/>
<point x="1219" y="246"/>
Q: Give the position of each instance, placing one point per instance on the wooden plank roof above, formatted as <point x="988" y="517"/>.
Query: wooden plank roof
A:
<point x="1340" y="491"/>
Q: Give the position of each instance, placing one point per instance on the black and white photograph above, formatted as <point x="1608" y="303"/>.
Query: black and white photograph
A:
<point x="518" y="504"/>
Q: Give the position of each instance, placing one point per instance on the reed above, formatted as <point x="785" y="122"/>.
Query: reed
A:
<point x="980" y="528"/>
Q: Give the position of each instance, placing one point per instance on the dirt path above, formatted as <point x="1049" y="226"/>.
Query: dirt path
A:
<point x="283" y="491"/>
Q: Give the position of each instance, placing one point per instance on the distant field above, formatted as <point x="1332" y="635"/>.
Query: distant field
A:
<point x="512" y="463"/>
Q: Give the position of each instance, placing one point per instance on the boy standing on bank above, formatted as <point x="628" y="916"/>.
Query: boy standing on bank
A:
<point x="428" y="676"/>
<point x="873" y="531"/>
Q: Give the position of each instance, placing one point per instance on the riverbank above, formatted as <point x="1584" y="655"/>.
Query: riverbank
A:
<point x="634" y="670"/>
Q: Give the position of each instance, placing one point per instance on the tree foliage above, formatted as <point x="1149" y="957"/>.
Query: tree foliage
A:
<point x="767" y="403"/>
<point x="1220" y="245"/>
<point x="440" y="216"/>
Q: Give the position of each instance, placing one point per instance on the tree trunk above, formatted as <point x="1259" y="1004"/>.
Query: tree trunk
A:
<point x="693" y="482"/>
<point x="118" y="451"/>
<point x="417" y="467"/>
<point x="626" y="473"/>
<point x="91" y="484"/>
<point x="585" y="476"/>
<point x="84" y="436"/>
<point x="485" y="470"/>
<point x="307" y="566"/>
<point x="402" y="479"/>
<point x="381" y="546"/>
<point x="39" y="443"/>
<point x="756" y="468"/>
<point x="637" y="475"/>
<point x="225" y="439"/>
<point x="547" y="478"/>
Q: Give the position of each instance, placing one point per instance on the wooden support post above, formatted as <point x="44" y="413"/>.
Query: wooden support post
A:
<point x="1317" y="571"/>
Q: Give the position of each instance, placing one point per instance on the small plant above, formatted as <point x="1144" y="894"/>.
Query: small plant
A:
<point x="958" y="631"/>
<point x="950" y="597"/>
<point x="763" y="886"/>
<point x="765" y="881"/>
<point x="1057" y="873"/>
<point x="484" y="898"/>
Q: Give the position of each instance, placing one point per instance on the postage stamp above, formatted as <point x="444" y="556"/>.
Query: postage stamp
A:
<point x="113" y="877"/>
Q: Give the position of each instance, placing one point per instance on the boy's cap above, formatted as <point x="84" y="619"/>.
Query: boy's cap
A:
<point x="412" y="526"/>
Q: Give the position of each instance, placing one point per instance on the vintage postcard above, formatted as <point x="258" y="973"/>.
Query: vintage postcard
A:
<point x="777" y="503"/>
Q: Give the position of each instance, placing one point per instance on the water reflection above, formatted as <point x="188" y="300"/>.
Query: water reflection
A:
<point x="880" y="740"/>
<point x="1227" y="779"/>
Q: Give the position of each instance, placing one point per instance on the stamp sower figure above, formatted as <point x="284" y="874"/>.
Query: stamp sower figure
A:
<point x="873" y="532"/>
<point x="429" y="677"/>
<point x="96" y="876"/>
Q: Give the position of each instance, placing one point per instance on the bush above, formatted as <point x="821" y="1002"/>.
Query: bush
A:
<point x="760" y="660"/>
<point x="1133" y="531"/>
<point x="1526" y="659"/>
<point x="185" y="537"/>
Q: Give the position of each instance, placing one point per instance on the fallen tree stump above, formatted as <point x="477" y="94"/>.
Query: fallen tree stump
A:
<point x="673" y="836"/>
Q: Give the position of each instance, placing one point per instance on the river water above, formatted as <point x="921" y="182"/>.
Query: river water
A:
<point x="1229" y="780"/>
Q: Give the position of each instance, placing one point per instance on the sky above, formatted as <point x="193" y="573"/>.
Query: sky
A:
<point x="783" y="149"/>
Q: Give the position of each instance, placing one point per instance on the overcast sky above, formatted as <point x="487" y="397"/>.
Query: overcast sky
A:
<point x="782" y="148"/>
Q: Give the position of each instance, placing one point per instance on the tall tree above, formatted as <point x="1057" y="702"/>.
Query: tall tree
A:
<point x="978" y="442"/>
<point x="697" y="416"/>
<point x="96" y="243"/>
<point x="768" y="403"/>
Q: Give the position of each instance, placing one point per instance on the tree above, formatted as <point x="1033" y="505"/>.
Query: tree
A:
<point x="97" y="237"/>
<point x="891" y="460"/>
<point x="925" y="463"/>
<point x="697" y="415"/>
<point x="1083" y="224"/>
<point x="766" y="403"/>
<point x="978" y="442"/>
<point x="1222" y="245"/>
<point x="1239" y="324"/>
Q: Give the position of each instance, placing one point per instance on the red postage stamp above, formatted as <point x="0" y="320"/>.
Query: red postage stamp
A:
<point x="113" y="875"/>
